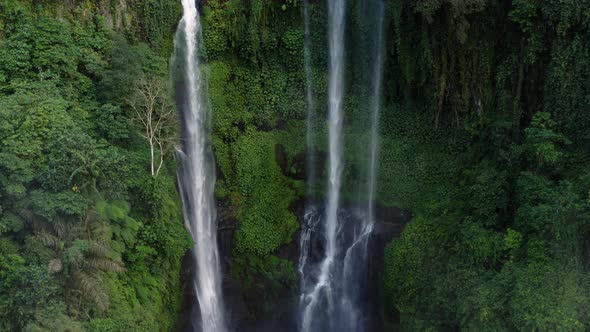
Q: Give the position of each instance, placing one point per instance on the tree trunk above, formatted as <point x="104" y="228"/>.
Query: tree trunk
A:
<point x="152" y="157"/>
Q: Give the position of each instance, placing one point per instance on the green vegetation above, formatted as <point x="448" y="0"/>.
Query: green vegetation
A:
<point x="89" y="240"/>
<point x="485" y="140"/>
<point x="255" y="86"/>
<point x="499" y="188"/>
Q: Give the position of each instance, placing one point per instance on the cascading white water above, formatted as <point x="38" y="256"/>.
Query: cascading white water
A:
<point x="196" y="176"/>
<point x="307" y="227"/>
<point x="350" y="302"/>
<point x="323" y="289"/>
<point x="376" y="111"/>
<point x="333" y="289"/>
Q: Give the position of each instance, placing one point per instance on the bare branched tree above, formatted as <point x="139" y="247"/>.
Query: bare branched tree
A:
<point x="155" y="112"/>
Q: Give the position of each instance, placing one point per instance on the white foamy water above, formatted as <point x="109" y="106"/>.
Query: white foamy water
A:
<point x="333" y="287"/>
<point x="323" y="287"/>
<point x="196" y="175"/>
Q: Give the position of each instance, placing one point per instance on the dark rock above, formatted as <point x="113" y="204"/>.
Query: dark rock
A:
<point x="189" y="307"/>
<point x="297" y="169"/>
<point x="389" y="224"/>
<point x="281" y="158"/>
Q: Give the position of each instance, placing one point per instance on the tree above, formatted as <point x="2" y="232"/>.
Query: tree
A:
<point x="81" y="253"/>
<point x="154" y="111"/>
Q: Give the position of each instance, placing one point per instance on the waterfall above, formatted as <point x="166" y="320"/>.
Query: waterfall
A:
<point x="196" y="175"/>
<point x="357" y="255"/>
<point x="309" y="224"/>
<point x="376" y="111"/>
<point x="310" y="160"/>
<point x="336" y="27"/>
<point x="334" y="289"/>
<point x="323" y="289"/>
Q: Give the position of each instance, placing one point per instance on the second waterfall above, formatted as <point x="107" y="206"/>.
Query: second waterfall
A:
<point x="334" y="294"/>
<point x="196" y="175"/>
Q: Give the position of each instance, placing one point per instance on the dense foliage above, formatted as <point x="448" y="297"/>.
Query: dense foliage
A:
<point x="254" y="49"/>
<point x="89" y="240"/>
<point x="485" y="140"/>
<point x="500" y="229"/>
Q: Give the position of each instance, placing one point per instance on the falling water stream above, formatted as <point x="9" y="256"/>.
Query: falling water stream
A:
<point x="356" y="257"/>
<point x="331" y="285"/>
<point x="310" y="225"/>
<point x="375" y="113"/>
<point x="331" y="289"/>
<point x="311" y="116"/>
<point x="322" y="291"/>
<point x="196" y="175"/>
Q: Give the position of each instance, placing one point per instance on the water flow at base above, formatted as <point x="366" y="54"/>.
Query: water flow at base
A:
<point x="332" y="297"/>
<point x="307" y="228"/>
<point x="196" y="175"/>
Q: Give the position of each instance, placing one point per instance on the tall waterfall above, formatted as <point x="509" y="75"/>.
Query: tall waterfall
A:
<point x="323" y="291"/>
<point x="376" y="112"/>
<point x="308" y="227"/>
<point x="196" y="175"/>
<point x="334" y="289"/>
<point x="357" y="255"/>
<point x="311" y="116"/>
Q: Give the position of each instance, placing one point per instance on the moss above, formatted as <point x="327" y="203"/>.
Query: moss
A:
<point x="265" y="195"/>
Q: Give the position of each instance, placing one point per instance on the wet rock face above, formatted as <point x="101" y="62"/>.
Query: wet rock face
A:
<point x="189" y="304"/>
<point x="389" y="221"/>
<point x="295" y="167"/>
<point x="389" y="224"/>
<point x="356" y="267"/>
<point x="235" y="306"/>
<point x="281" y="158"/>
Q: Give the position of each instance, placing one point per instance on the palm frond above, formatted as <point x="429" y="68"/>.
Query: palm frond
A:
<point x="97" y="249"/>
<point x="60" y="227"/>
<point x="27" y="214"/>
<point x="37" y="223"/>
<point x="91" y="289"/>
<point x="105" y="265"/>
<point x="49" y="240"/>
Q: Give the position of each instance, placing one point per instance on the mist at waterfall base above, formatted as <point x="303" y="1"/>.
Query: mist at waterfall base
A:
<point x="353" y="292"/>
<point x="196" y="174"/>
